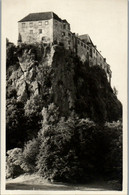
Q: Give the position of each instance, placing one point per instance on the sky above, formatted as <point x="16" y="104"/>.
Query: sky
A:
<point x="104" y="20"/>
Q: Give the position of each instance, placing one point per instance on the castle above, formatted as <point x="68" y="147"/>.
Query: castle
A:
<point x="48" y="28"/>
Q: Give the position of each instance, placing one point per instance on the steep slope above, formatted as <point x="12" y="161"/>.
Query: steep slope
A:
<point x="68" y="112"/>
<point x="58" y="76"/>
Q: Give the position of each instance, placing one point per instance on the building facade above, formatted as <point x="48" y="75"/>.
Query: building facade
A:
<point x="47" y="27"/>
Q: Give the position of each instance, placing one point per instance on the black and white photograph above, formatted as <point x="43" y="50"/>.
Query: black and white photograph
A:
<point x="64" y="97"/>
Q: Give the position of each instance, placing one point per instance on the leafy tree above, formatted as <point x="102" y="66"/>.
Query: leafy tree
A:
<point x="15" y="124"/>
<point x="33" y="116"/>
<point x="11" y="57"/>
<point x="113" y="162"/>
<point x="57" y="158"/>
<point x="30" y="151"/>
<point x="14" y="161"/>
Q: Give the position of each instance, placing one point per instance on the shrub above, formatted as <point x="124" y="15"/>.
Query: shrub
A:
<point x="15" y="124"/>
<point x="30" y="151"/>
<point x="14" y="161"/>
<point x="11" y="57"/>
<point x="113" y="159"/>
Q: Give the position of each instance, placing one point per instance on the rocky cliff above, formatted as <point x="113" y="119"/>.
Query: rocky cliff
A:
<point x="57" y="75"/>
<point x="68" y="112"/>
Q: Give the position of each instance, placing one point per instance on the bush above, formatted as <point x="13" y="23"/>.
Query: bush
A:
<point x="33" y="115"/>
<point x="30" y="151"/>
<point x="113" y="160"/>
<point x="14" y="161"/>
<point x="15" y="124"/>
<point x="11" y="57"/>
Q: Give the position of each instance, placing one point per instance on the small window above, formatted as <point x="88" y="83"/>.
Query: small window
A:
<point x="69" y="34"/>
<point x="81" y="44"/>
<point x="90" y="52"/>
<point x="64" y="26"/>
<point x="40" y="23"/>
<point x="31" y="31"/>
<point x="31" y="24"/>
<point x="63" y="34"/>
<point x="23" y="25"/>
<point x="40" y="31"/>
<point x="85" y="46"/>
<point x="46" y="22"/>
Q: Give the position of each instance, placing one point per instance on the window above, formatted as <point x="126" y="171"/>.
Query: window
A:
<point x="81" y="44"/>
<point x="40" y="31"/>
<point x="63" y="34"/>
<point x="23" y="25"/>
<point x="90" y="52"/>
<point x="64" y="26"/>
<point x="31" y="31"/>
<point x="40" y="23"/>
<point x="85" y="46"/>
<point x="31" y="24"/>
<point x="46" y="22"/>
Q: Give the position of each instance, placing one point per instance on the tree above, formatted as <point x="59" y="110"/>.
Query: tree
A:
<point x="15" y="124"/>
<point x="11" y="57"/>
<point x="14" y="161"/>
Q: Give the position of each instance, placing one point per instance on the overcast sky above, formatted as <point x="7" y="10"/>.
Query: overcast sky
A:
<point x="104" y="20"/>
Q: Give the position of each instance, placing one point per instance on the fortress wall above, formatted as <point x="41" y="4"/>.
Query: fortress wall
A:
<point x="34" y="31"/>
<point x="82" y="50"/>
<point x="61" y="34"/>
<point x="57" y="30"/>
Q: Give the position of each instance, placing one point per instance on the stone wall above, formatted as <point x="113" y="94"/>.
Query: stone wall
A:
<point x="36" y="30"/>
<point x="58" y="31"/>
<point x="62" y="33"/>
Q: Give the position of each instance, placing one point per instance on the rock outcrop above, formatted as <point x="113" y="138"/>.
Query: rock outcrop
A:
<point x="60" y="77"/>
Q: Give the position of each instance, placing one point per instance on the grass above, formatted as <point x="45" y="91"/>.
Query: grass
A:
<point x="35" y="182"/>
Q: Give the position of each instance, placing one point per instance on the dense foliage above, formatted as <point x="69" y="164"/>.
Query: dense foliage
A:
<point x="11" y="57"/>
<point x="73" y="150"/>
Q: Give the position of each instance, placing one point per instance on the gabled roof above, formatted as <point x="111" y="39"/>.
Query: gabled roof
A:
<point x="86" y="38"/>
<point x="65" y="21"/>
<point x="40" y="16"/>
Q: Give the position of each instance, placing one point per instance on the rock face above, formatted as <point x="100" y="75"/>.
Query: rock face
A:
<point x="59" y="77"/>
<point x="63" y="114"/>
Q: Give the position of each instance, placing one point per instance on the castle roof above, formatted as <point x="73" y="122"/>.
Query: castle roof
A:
<point x="65" y="21"/>
<point x="86" y="38"/>
<point x="40" y="16"/>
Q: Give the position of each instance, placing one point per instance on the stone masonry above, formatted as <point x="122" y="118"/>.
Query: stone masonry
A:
<point x="48" y="28"/>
